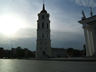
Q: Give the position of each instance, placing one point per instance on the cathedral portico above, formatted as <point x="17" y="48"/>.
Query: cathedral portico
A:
<point x="89" y="26"/>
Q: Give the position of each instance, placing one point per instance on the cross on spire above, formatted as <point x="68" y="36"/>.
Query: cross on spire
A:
<point x="43" y="1"/>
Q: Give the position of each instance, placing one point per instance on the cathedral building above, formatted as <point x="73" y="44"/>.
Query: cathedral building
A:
<point x="89" y="26"/>
<point x="43" y="49"/>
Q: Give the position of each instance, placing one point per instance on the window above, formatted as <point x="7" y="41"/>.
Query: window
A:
<point x="42" y="16"/>
<point x="47" y="25"/>
<point x="43" y="25"/>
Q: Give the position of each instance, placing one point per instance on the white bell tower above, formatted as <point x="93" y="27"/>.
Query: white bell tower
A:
<point x="43" y="35"/>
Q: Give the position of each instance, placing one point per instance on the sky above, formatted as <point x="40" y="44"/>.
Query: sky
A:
<point x="18" y="22"/>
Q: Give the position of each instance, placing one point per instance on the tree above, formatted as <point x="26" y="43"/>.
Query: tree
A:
<point x="70" y="52"/>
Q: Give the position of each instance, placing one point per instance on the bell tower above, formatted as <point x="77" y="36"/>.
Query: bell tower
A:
<point x="43" y="35"/>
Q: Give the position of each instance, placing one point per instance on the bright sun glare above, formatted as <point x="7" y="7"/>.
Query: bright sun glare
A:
<point x="10" y="24"/>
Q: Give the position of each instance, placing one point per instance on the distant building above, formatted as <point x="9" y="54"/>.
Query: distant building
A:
<point x="59" y="52"/>
<point x="43" y="35"/>
<point x="89" y="26"/>
<point x="1" y="52"/>
<point x="13" y="52"/>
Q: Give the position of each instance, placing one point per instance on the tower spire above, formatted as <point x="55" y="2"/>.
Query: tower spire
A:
<point x="43" y="9"/>
<point x="43" y="6"/>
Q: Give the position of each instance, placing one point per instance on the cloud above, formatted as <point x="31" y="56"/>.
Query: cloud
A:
<point x="87" y="3"/>
<point x="67" y="39"/>
<point x="61" y="20"/>
<point x="29" y="43"/>
<point x="25" y="33"/>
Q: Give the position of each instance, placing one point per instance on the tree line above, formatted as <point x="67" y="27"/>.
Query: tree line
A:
<point x="18" y="53"/>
